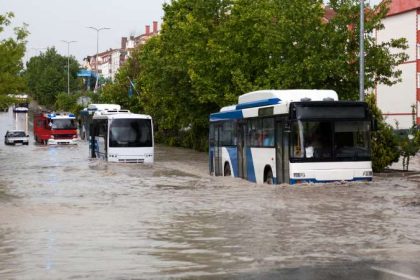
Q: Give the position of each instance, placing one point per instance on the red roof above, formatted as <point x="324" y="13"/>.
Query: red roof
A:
<point x="402" y="6"/>
<point x="328" y="13"/>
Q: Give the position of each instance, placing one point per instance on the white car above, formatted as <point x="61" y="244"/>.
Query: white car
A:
<point x="13" y="137"/>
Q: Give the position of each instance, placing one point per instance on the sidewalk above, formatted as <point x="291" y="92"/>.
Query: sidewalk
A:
<point x="396" y="169"/>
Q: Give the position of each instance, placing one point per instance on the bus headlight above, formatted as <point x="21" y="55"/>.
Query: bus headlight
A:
<point x="368" y="173"/>
<point x="299" y="175"/>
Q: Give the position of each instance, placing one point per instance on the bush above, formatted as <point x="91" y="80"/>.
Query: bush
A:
<point x="68" y="103"/>
<point x="385" y="144"/>
<point x="409" y="141"/>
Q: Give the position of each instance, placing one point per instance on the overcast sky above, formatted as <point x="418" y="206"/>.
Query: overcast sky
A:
<point x="51" y="21"/>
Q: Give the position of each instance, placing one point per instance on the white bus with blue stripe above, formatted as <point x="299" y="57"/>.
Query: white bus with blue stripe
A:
<point x="291" y="136"/>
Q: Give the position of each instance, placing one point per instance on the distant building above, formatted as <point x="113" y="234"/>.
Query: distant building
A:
<point x="395" y="102"/>
<point x="108" y="62"/>
<point x="132" y="42"/>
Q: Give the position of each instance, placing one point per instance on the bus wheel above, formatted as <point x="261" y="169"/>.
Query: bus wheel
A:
<point x="269" y="177"/>
<point x="227" y="170"/>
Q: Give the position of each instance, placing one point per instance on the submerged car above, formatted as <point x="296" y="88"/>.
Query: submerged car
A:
<point x="13" y="137"/>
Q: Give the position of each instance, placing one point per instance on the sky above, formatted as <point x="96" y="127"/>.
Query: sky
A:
<point x="52" y="21"/>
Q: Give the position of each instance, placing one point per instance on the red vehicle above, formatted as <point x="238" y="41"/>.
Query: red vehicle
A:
<point x="55" y="128"/>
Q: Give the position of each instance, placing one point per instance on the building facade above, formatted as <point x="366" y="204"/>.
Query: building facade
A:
<point x="132" y="42"/>
<point x="396" y="101"/>
<point x="107" y="63"/>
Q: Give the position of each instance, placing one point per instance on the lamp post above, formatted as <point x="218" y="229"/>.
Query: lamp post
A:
<point x="68" y="64"/>
<point x="362" y="52"/>
<point x="97" y="50"/>
<point x="39" y="49"/>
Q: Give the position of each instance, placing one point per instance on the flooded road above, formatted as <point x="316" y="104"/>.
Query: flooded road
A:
<point x="64" y="216"/>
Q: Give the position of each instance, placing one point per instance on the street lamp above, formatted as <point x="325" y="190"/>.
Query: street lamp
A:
<point x="362" y="52"/>
<point x="68" y="64"/>
<point x="39" y="49"/>
<point x="97" y="50"/>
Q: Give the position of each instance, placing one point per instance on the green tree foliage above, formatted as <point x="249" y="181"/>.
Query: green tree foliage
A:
<point x="118" y="91"/>
<point x="385" y="144"/>
<point x="342" y="43"/>
<point x="182" y="77"/>
<point x="69" y="103"/>
<point x="47" y="76"/>
<point x="210" y="52"/>
<point x="65" y="102"/>
<point x="12" y="51"/>
<point x="409" y="143"/>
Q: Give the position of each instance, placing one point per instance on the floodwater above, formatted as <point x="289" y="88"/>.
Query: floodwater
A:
<point x="64" y="216"/>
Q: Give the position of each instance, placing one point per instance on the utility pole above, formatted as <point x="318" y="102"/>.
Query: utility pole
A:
<point x="68" y="64"/>
<point x="97" y="51"/>
<point x="362" y="52"/>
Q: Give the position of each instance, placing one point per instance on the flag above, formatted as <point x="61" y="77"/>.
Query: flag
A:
<point x="131" y="88"/>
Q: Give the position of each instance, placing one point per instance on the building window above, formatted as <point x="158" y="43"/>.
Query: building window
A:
<point x="418" y="51"/>
<point x="418" y="80"/>
<point x="418" y="22"/>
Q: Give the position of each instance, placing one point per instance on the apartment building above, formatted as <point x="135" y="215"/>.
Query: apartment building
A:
<point x="396" y="102"/>
<point x="108" y="62"/>
<point x="132" y="42"/>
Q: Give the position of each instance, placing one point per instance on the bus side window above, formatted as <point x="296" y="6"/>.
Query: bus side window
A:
<point x="268" y="132"/>
<point x="228" y="136"/>
<point x="255" y="133"/>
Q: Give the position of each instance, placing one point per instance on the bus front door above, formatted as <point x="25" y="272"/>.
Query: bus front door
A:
<point x="282" y="152"/>
<point x="240" y="132"/>
<point x="218" y="166"/>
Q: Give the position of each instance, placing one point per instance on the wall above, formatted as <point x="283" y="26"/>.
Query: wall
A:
<point x="396" y="101"/>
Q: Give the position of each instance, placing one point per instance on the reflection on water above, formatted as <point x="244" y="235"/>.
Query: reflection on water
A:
<point x="64" y="216"/>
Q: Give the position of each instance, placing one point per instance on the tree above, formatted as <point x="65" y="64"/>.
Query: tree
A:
<point x="384" y="142"/>
<point x="123" y="90"/>
<point x="342" y="41"/>
<point x="47" y="76"/>
<point x="210" y="52"/>
<point x="409" y="141"/>
<point x="177" y="68"/>
<point x="70" y="103"/>
<point x="12" y="51"/>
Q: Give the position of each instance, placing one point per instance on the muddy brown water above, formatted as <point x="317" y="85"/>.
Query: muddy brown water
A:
<point x="64" y="216"/>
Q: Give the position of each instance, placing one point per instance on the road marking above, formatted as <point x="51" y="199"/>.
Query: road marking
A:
<point x="396" y="273"/>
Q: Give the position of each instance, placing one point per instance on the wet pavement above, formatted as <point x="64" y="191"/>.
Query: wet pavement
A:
<point x="64" y="216"/>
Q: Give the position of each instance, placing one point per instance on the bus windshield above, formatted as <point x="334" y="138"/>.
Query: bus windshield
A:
<point x="63" y="124"/>
<point x="130" y="133"/>
<point x="331" y="140"/>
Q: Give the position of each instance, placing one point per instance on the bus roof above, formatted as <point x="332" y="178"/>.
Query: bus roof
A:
<point x="103" y="107"/>
<point x="250" y="103"/>
<point x="19" y="96"/>
<point x="289" y="95"/>
<point x="121" y="115"/>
